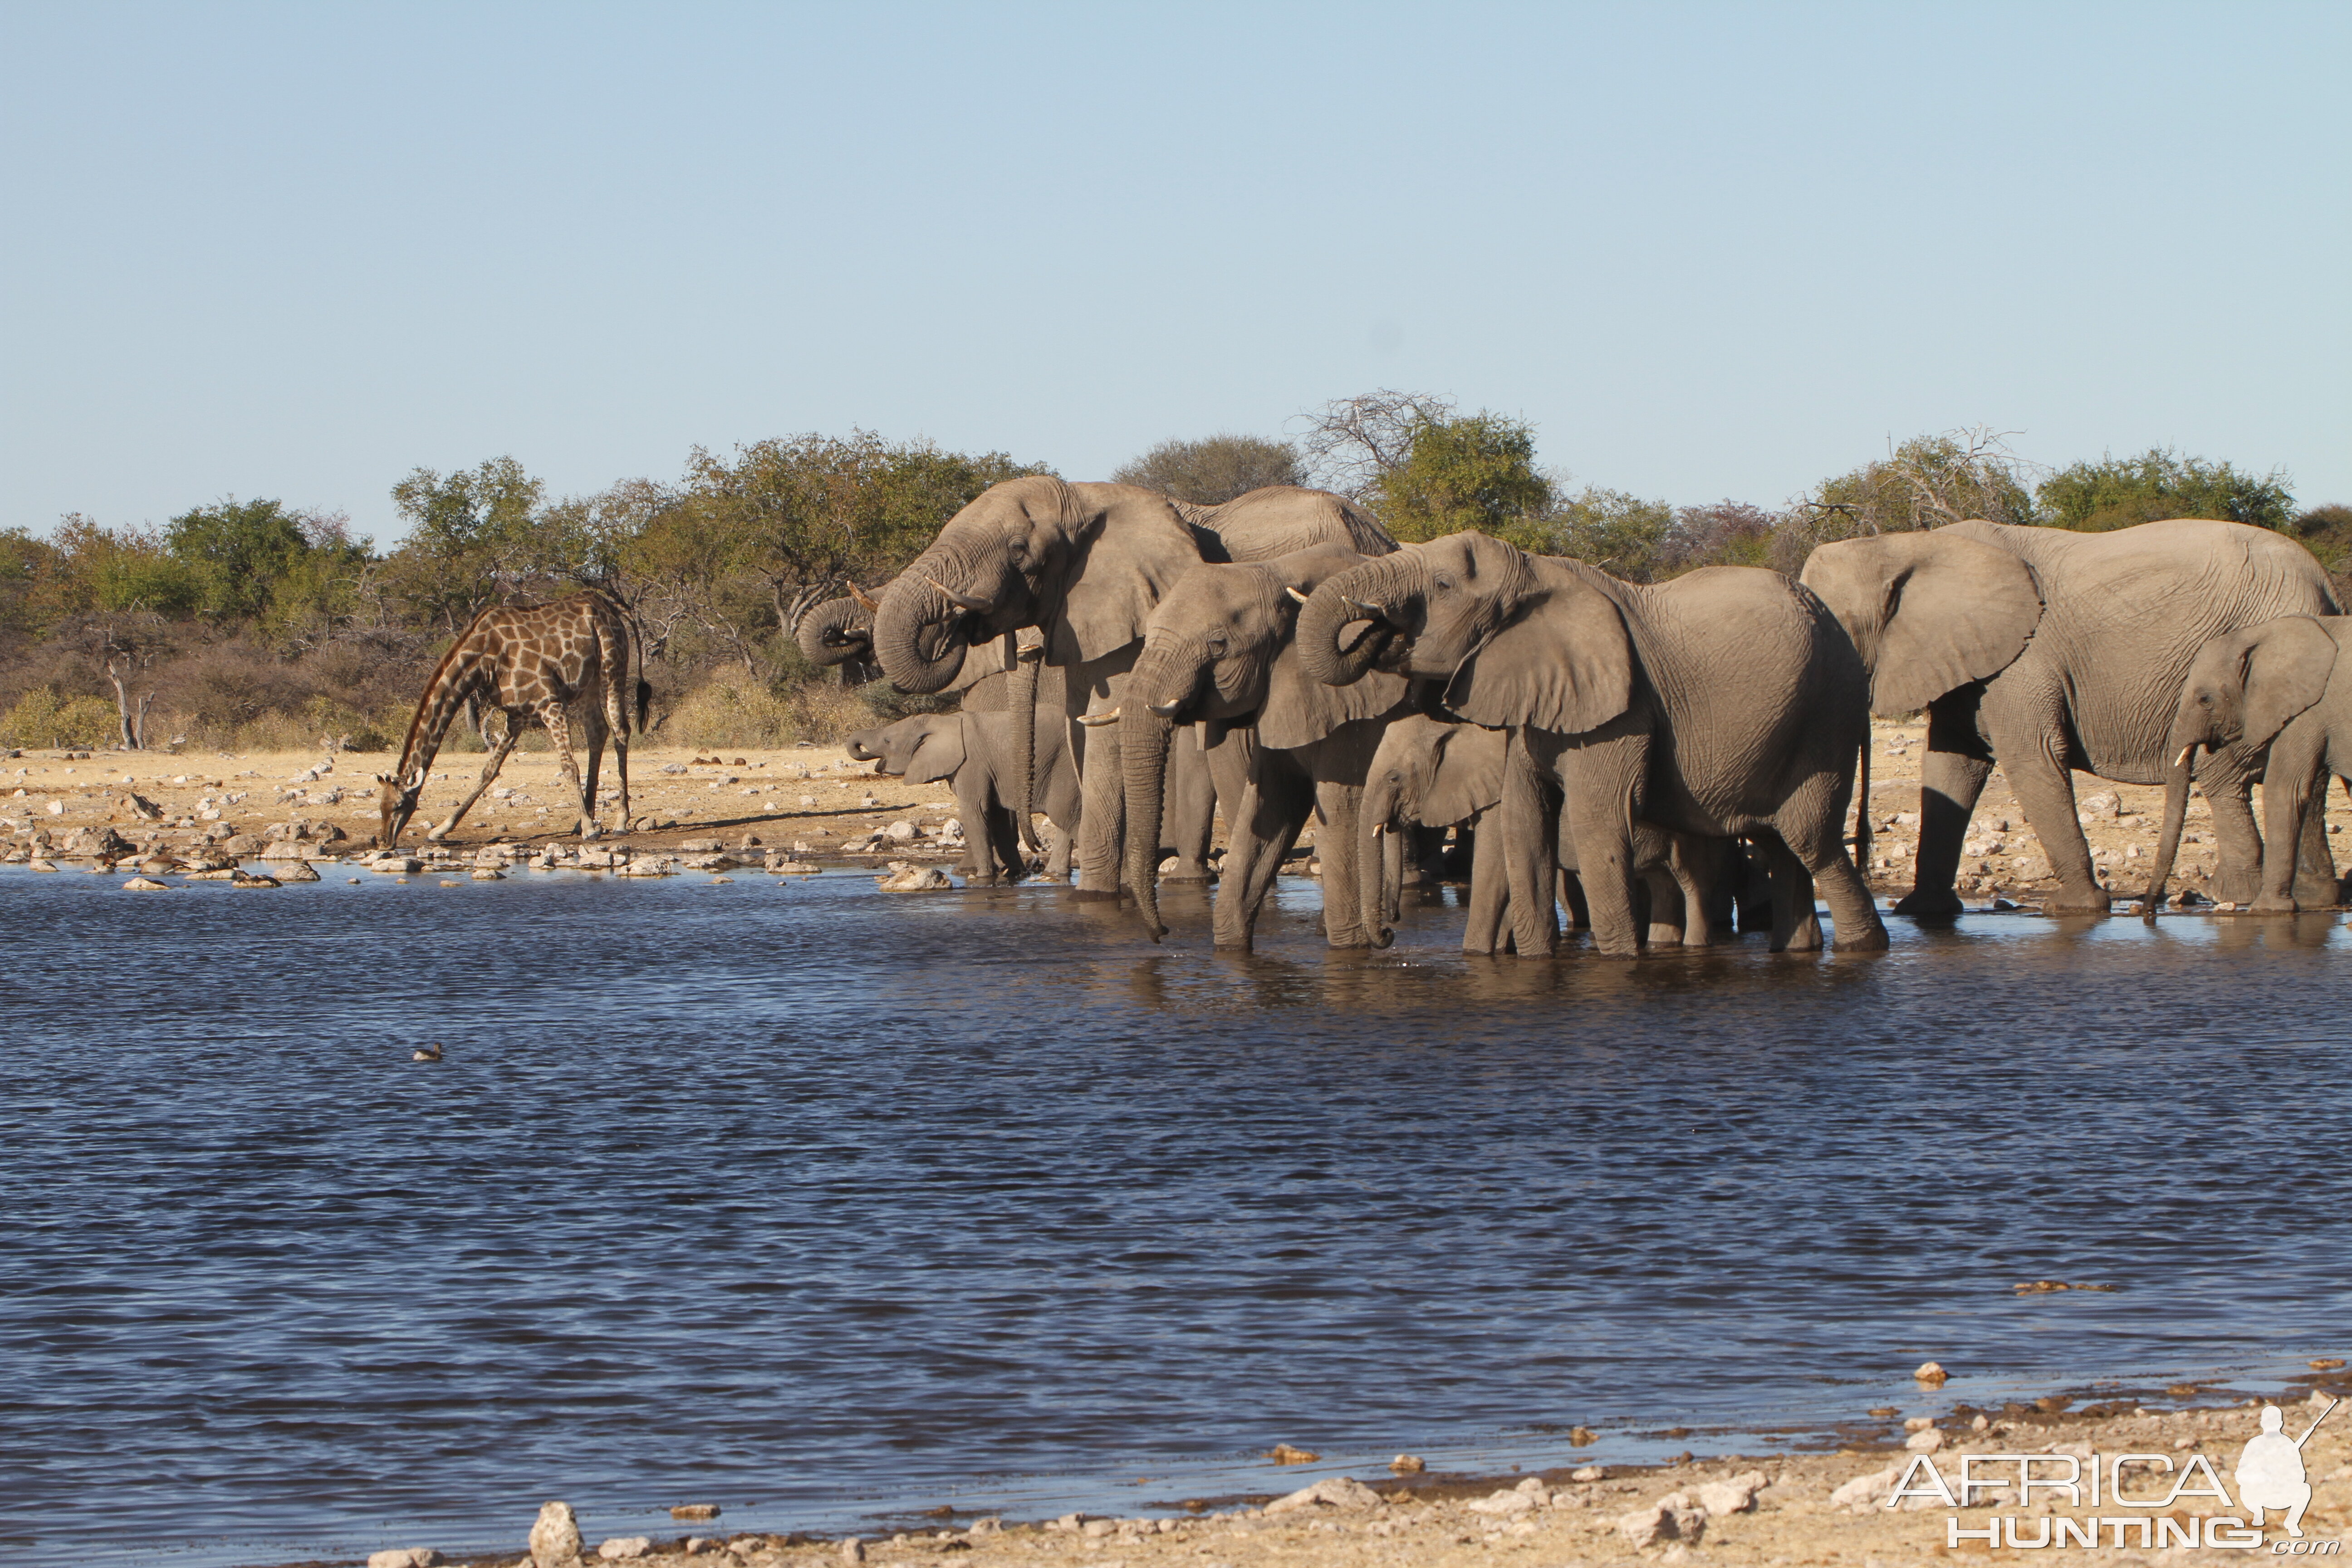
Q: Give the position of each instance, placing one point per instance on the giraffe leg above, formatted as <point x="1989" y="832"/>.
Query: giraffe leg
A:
<point x="616" y="720"/>
<point x="593" y="722"/>
<point x="489" y="773"/>
<point x="558" y="729"/>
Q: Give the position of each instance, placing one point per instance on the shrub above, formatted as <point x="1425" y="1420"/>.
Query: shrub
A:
<point x="41" y="719"/>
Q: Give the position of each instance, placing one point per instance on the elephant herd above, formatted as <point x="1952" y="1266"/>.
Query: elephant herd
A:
<point x="1132" y="667"/>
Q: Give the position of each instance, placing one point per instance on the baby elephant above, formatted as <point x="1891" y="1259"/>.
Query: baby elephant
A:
<point x="962" y="748"/>
<point x="2284" y="685"/>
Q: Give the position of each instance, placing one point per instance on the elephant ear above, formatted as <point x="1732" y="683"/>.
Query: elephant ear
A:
<point x="939" y="752"/>
<point x="1563" y="663"/>
<point x="1929" y="612"/>
<point x="1299" y="711"/>
<point x="1469" y="775"/>
<point x="1127" y="548"/>
<point x="2287" y="665"/>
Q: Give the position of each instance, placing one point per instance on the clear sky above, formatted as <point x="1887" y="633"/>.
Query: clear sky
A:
<point x="1708" y="250"/>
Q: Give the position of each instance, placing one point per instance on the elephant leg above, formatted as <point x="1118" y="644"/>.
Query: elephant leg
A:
<point x="1104" y="795"/>
<point x="1662" y="919"/>
<point x="1951" y="779"/>
<point x="2315" y="887"/>
<point x="973" y="803"/>
<point x="1008" y="860"/>
<point x="1698" y="865"/>
<point x="1190" y="817"/>
<point x="2238" y="878"/>
<point x="1819" y="848"/>
<point x="1337" y="805"/>
<point x="1796" y="927"/>
<point x="1529" y="830"/>
<point x="1274" y="808"/>
<point x="1490" y="891"/>
<point x="490" y="773"/>
<point x="2290" y="784"/>
<point x="2046" y="790"/>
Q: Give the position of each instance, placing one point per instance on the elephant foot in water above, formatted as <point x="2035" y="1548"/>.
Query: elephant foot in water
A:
<point x="1930" y="901"/>
<point x="1095" y="894"/>
<point x="2072" y="901"/>
<point x="2274" y="904"/>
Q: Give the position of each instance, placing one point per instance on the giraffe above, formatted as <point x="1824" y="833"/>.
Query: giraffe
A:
<point x="529" y="662"/>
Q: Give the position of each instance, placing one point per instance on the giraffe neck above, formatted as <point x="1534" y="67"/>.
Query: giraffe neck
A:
<point x="438" y="710"/>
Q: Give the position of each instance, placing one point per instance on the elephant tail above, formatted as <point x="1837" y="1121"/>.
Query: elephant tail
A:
<point x="1862" y="806"/>
<point x="2168" y="845"/>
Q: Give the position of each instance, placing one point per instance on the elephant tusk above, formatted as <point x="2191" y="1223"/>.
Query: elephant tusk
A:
<point x="1165" y="710"/>
<point x="2185" y="752"/>
<point x="965" y="602"/>
<point x="1294" y="593"/>
<point x="865" y="601"/>
<point x="1030" y="652"/>
<point x="1096" y="720"/>
<point x="1379" y="828"/>
<point x="1368" y="612"/>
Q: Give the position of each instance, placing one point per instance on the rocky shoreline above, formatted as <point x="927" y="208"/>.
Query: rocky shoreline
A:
<point x="1871" y="1501"/>
<point x="253" y="820"/>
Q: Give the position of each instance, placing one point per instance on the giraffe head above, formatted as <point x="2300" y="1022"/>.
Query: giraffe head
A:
<point x="396" y="800"/>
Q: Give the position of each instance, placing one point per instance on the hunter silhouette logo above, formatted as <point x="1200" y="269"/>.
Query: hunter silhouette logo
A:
<point x="2270" y="1478"/>
<point x="2270" y="1472"/>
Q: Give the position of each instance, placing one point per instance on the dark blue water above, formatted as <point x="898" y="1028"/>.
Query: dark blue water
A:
<point x="815" y="1201"/>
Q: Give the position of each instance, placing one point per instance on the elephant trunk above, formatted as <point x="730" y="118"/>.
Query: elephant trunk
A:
<point x="1022" y="693"/>
<point x="836" y="632"/>
<point x="1143" y="741"/>
<point x="919" y="633"/>
<point x="1327" y="652"/>
<point x="2167" y="844"/>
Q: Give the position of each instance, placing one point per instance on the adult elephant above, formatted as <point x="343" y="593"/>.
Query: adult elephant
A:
<point x="1086" y="565"/>
<point x="2049" y="651"/>
<point x="1724" y="703"/>
<point x="1217" y="651"/>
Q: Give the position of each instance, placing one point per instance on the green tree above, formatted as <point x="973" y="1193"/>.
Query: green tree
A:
<point x="1214" y="471"/>
<point x="476" y="535"/>
<point x="2116" y="492"/>
<point x="1925" y="482"/>
<point x="28" y="571"/>
<point x="1472" y="470"/>
<point x="236" y="552"/>
<point x="1622" y="534"/>
<point x="105" y="570"/>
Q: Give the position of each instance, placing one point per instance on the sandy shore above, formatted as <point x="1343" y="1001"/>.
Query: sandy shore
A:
<point x="1766" y="1509"/>
<point x="813" y="801"/>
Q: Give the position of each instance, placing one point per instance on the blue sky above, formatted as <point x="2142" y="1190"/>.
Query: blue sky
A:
<point x="1707" y="250"/>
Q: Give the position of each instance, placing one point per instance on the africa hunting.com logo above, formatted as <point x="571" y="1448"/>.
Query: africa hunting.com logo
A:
<point x="2270" y="1478"/>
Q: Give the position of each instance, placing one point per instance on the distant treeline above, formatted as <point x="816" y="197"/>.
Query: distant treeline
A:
<point x="249" y="624"/>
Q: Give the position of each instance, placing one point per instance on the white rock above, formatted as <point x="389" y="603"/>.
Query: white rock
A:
<point x="621" y="1548"/>
<point x="902" y="832"/>
<point x="1334" y="1491"/>
<point x="555" y="1537"/>
<point x="1514" y="1501"/>
<point x="1588" y="1473"/>
<point x="914" y="879"/>
<point x="1737" y="1495"/>
<point x="1648" y="1526"/>
<point x="1863" y="1491"/>
<point x="56" y="808"/>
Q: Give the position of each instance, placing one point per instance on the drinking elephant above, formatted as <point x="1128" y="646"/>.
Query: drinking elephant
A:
<point x="973" y="749"/>
<point x="1217" y="653"/>
<point x="2045" y="651"/>
<point x="1724" y="703"/>
<point x="2282" y="691"/>
<point x="1086" y="563"/>
<point x="1428" y="772"/>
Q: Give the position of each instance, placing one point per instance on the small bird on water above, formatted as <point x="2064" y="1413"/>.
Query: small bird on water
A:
<point x="430" y="1053"/>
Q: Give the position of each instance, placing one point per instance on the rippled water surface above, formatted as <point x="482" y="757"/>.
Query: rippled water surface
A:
<point x="817" y="1201"/>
